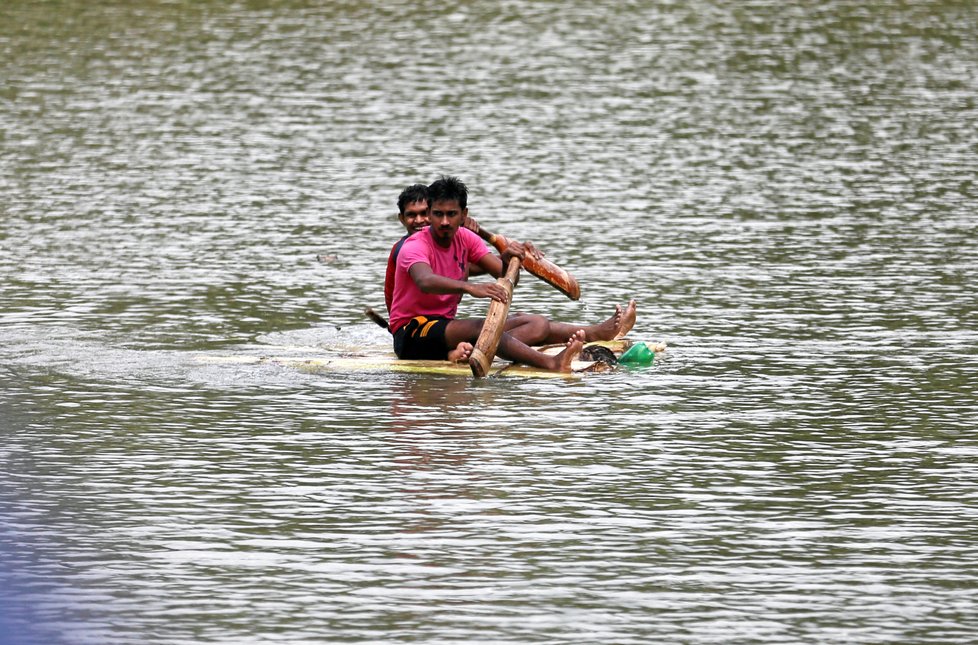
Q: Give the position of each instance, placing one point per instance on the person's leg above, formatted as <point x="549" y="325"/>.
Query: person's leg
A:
<point x="460" y="334"/>
<point x="530" y="329"/>
<point x="619" y="324"/>
<point x="514" y="350"/>
<point x="538" y="330"/>
<point x="466" y="330"/>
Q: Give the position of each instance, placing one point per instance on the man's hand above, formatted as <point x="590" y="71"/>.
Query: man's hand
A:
<point x="514" y="250"/>
<point x="471" y="224"/>
<point x="520" y="250"/>
<point x="488" y="290"/>
<point x="533" y="251"/>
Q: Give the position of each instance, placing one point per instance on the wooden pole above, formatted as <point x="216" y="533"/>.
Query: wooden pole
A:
<point x="492" y="329"/>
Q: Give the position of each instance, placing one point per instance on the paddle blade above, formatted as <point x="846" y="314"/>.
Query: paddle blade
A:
<point x="542" y="268"/>
<point x="554" y="276"/>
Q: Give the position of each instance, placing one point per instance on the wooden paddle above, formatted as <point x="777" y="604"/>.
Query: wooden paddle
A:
<point x="492" y="330"/>
<point x="542" y="268"/>
<point x="376" y="317"/>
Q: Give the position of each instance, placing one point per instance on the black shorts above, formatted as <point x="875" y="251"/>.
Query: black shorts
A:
<point x="422" y="338"/>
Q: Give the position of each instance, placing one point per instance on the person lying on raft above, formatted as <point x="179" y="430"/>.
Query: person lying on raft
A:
<point x="429" y="281"/>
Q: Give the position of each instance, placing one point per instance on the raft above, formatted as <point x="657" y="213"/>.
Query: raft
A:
<point x="388" y="362"/>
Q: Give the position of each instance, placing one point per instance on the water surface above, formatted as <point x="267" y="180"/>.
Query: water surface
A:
<point x="788" y="191"/>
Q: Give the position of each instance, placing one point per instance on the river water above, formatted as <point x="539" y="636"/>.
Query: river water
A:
<point x="787" y="189"/>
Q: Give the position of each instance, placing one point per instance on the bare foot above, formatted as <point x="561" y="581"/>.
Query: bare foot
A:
<point x="563" y="360"/>
<point x="627" y="319"/>
<point x="461" y="353"/>
<point x="606" y="330"/>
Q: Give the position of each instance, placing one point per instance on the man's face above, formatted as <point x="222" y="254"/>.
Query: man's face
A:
<point x="445" y="216"/>
<point x="415" y="216"/>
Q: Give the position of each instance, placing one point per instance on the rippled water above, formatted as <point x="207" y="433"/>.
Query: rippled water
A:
<point x="787" y="190"/>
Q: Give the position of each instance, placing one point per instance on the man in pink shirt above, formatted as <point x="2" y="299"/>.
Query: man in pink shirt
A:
<point x="430" y="278"/>
<point x="412" y="213"/>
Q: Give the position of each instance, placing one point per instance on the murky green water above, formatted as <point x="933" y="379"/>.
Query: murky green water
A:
<point x="788" y="191"/>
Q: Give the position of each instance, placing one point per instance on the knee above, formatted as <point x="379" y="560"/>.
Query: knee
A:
<point x="540" y="326"/>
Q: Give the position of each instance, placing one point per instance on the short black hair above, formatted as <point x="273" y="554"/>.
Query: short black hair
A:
<point x="450" y="188"/>
<point x="411" y="194"/>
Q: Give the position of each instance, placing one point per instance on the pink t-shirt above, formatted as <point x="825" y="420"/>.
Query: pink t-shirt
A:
<point x="409" y="301"/>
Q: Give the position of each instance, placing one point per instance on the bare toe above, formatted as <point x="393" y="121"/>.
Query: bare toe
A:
<point x="461" y="353"/>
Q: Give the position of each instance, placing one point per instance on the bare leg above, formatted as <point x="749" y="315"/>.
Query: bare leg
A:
<point x="530" y="329"/>
<point x="616" y="326"/>
<point x="466" y="330"/>
<point x="512" y="349"/>
<point x="462" y="330"/>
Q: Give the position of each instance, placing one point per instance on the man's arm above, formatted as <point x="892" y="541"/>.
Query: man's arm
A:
<point x="430" y="282"/>
<point x="490" y="263"/>
<point x="496" y="265"/>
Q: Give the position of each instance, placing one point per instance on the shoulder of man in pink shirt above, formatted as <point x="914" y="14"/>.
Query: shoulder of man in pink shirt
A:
<point x="416" y="248"/>
<point x="474" y="245"/>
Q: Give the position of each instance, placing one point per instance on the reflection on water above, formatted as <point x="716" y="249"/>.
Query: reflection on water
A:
<point x="786" y="190"/>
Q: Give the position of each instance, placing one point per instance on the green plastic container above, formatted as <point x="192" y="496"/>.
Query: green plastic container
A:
<point x="638" y="355"/>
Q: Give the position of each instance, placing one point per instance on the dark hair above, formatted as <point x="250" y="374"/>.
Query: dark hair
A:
<point x="450" y="188"/>
<point x="411" y="194"/>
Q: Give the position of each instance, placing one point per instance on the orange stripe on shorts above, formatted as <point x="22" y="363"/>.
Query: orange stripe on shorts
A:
<point x="424" y="330"/>
<point x="420" y="320"/>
